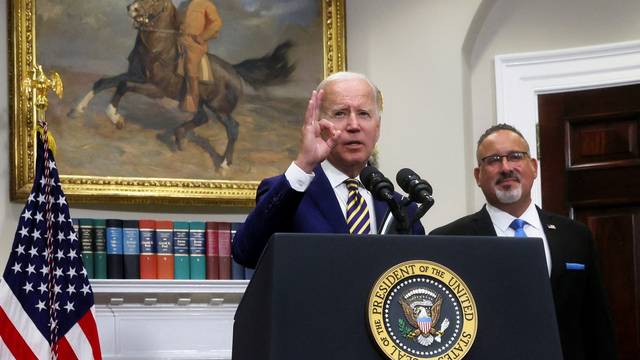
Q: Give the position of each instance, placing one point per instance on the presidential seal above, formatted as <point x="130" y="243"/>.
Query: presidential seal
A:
<point x="422" y="310"/>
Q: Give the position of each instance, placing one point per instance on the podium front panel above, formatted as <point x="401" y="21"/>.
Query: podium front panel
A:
<point x="308" y="298"/>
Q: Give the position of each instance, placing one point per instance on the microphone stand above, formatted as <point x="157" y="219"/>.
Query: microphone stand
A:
<point x="420" y="212"/>
<point x="400" y="215"/>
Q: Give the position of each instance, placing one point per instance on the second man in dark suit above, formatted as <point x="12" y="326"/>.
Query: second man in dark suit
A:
<point x="505" y="173"/>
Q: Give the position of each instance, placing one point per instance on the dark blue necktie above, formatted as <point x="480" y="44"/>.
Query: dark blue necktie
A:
<point x="518" y="226"/>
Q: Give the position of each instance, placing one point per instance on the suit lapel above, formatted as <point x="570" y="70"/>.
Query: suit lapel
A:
<point x="482" y="223"/>
<point x="381" y="208"/>
<point x="554" y="238"/>
<point x="322" y="194"/>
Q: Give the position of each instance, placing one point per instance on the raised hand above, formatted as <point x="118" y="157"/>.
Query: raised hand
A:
<point x="318" y="136"/>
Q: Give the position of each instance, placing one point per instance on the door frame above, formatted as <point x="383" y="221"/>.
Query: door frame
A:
<point x="521" y="77"/>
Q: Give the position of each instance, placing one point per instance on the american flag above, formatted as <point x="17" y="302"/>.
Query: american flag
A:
<point x="46" y="301"/>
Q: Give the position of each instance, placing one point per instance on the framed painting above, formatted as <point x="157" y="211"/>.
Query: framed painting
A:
<point x="121" y="135"/>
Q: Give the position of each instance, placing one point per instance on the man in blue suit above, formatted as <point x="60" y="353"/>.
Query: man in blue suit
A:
<point x="340" y="130"/>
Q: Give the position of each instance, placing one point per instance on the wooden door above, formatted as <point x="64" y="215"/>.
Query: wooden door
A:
<point x="590" y="168"/>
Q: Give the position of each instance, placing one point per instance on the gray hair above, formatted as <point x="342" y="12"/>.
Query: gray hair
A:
<point x="348" y="75"/>
<point x="495" y="129"/>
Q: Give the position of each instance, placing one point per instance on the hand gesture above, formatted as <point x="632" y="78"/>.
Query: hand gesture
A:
<point x="314" y="147"/>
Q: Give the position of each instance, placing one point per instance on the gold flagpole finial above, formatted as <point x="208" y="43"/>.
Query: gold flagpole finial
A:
<point x="37" y="87"/>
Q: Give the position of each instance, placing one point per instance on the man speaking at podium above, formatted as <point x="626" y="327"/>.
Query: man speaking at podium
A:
<point x="320" y="191"/>
<point x="505" y="173"/>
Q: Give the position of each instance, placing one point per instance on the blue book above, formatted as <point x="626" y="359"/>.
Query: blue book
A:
<point x="248" y="273"/>
<point x="115" y="254"/>
<point x="131" y="249"/>
<point x="237" y="270"/>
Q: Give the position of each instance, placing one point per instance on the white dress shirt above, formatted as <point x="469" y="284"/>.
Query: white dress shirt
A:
<point x="300" y="181"/>
<point x="533" y="227"/>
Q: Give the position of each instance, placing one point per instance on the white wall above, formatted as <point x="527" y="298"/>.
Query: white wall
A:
<point x="516" y="26"/>
<point x="433" y="59"/>
<point x="412" y="50"/>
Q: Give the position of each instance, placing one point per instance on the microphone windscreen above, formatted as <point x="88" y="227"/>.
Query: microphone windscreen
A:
<point x="404" y="178"/>
<point x="409" y="181"/>
<point x="367" y="175"/>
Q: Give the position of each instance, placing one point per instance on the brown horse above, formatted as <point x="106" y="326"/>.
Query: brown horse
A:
<point x="152" y="72"/>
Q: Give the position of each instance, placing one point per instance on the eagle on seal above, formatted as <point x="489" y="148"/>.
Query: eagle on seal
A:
<point x="422" y="317"/>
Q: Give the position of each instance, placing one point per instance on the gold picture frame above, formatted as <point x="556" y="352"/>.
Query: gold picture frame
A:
<point x="126" y="190"/>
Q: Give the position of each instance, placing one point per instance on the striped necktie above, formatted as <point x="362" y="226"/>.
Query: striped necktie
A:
<point x="518" y="226"/>
<point x="357" y="210"/>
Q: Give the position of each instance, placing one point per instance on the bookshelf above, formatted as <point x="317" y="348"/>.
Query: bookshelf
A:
<point x="166" y="319"/>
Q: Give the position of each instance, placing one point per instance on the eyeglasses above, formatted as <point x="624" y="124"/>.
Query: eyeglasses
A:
<point x="513" y="157"/>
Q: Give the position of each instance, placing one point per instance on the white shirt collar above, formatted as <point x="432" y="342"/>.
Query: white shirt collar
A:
<point x="335" y="176"/>
<point x="502" y="219"/>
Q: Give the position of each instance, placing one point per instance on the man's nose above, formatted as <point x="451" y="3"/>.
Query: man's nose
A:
<point x="506" y="165"/>
<point x="353" y="122"/>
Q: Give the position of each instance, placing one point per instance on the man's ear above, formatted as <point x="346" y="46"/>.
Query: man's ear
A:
<point x="476" y="174"/>
<point x="534" y="163"/>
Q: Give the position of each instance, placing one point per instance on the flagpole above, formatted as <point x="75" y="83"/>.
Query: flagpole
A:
<point x="38" y="86"/>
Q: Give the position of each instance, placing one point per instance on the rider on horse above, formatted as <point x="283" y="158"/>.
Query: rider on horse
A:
<point x="200" y="23"/>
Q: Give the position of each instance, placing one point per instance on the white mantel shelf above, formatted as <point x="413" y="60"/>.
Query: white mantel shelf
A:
<point x="166" y="319"/>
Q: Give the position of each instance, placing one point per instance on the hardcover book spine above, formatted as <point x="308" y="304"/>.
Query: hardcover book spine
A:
<point x="181" y="250"/>
<point x="115" y="254"/>
<point x="100" y="248"/>
<point x="131" y="240"/>
<point x="86" y="241"/>
<point x="212" y="250"/>
<point x="224" y="249"/>
<point x="197" y="267"/>
<point x="248" y="273"/>
<point x="164" y="241"/>
<point x="148" y="261"/>
<point x="237" y="270"/>
<point x="76" y="226"/>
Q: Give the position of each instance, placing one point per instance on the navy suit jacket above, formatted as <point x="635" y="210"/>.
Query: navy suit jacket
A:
<point x="584" y="322"/>
<point x="280" y="208"/>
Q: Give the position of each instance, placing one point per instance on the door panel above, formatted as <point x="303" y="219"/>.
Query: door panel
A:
<point x="590" y="168"/>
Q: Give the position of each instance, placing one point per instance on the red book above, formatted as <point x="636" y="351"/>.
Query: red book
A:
<point x="164" y="241"/>
<point x="224" y="246"/>
<point x="148" y="249"/>
<point x="212" y="252"/>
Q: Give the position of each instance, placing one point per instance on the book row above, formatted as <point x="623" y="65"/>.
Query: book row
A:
<point x="158" y="249"/>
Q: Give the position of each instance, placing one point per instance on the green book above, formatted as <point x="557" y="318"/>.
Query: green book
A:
<point x="197" y="259"/>
<point x="86" y="244"/>
<point x="181" y="250"/>
<point x="99" y="248"/>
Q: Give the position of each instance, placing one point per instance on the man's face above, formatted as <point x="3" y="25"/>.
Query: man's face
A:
<point x="509" y="179"/>
<point x="350" y="105"/>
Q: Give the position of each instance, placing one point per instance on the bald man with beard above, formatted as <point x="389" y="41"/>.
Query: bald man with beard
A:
<point x="505" y="173"/>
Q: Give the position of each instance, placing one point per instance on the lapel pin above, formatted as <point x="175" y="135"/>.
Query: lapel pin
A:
<point x="551" y="226"/>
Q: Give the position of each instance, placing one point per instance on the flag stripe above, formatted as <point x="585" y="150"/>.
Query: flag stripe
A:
<point x="65" y="352"/>
<point x="10" y="335"/>
<point x="5" y="353"/>
<point x="23" y="324"/>
<point x="90" y="329"/>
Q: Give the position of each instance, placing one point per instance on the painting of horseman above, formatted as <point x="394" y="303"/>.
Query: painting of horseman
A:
<point x="126" y="74"/>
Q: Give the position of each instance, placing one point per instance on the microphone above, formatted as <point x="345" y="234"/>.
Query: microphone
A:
<point x="380" y="187"/>
<point x="418" y="189"/>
